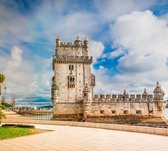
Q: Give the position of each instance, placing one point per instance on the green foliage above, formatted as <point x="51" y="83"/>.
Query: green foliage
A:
<point x="2" y="78"/>
<point x="6" y="105"/>
<point x="2" y="107"/>
<point x="2" y="115"/>
<point x="18" y="125"/>
<point x="11" y="132"/>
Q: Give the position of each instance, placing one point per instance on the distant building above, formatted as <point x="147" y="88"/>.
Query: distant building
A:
<point x="73" y="84"/>
<point x="3" y="100"/>
<point x="13" y="102"/>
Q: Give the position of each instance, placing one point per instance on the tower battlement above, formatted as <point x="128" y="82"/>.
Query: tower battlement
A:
<point x="73" y="59"/>
<point x="76" y="43"/>
<point x="77" y="48"/>
<point x="121" y="97"/>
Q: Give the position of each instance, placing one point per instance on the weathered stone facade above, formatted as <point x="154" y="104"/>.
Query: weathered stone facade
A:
<point x="73" y="83"/>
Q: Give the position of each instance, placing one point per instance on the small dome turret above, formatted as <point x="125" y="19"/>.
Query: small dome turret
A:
<point x="77" y="42"/>
<point x="158" y="92"/>
<point x="58" y="42"/>
<point x="54" y="86"/>
<point x="145" y="94"/>
<point x="158" y="89"/>
<point x="54" y="92"/>
<point x="85" y="42"/>
<point x="125" y="93"/>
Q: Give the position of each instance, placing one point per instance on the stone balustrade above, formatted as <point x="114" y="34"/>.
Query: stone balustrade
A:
<point x="121" y="97"/>
<point x="73" y="59"/>
<point x="64" y="44"/>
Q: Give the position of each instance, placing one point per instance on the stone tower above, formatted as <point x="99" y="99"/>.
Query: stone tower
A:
<point x="72" y="73"/>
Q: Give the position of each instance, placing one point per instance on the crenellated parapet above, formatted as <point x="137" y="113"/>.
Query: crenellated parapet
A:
<point x="76" y="43"/>
<point x="122" y="98"/>
<point x="73" y="59"/>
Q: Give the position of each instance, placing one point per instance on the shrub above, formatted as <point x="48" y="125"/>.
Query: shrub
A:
<point x="18" y="125"/>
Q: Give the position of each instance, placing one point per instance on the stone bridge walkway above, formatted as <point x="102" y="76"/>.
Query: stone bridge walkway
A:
<point x="68" y="138"/>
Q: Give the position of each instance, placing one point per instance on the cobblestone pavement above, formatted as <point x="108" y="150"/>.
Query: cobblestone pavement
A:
<point x="68" y="138"/>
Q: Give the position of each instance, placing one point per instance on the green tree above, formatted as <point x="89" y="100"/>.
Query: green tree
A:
<point x="2" y="115"/>
<point x="2" y="79"/>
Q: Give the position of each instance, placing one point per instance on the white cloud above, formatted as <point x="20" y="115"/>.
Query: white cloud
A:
<point x="144" y="36"/>
<point x="96" y="49"/>
<point x="19" y="75"/>
<point x="140" y="33"/>
<point x="111" y="9"/>
<point x="67" y="27"/>
<point x="42" y="77"/>
<point x="26" y="78"/>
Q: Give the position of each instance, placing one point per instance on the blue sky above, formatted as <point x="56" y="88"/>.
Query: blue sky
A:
<point x="127" y="38"/>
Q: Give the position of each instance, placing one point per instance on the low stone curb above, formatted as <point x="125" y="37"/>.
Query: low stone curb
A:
<point x="139" y="129"/>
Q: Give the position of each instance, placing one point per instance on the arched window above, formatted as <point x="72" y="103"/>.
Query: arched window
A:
<point x="71" y="67"/>
<point x="71" y="81"/>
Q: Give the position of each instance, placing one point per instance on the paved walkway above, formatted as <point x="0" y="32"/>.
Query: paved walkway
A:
<point x="67" y="138"/>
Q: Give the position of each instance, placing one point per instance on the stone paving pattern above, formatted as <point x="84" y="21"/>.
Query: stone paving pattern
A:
<point x="67" y="138"/>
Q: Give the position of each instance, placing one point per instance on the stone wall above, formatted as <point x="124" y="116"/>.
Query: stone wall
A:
<point x="114" y="105"/>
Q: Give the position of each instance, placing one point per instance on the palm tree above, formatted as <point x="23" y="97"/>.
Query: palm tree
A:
<point x="2" y="79"/>
<point x="2" y="115"/>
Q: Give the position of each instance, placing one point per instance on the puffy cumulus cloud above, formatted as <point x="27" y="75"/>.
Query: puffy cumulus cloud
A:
<point x="19" y="75"/>
<point x="96" y="49"/>
<point x="42" y="76"/>
<point x="48" y="20"/>
<point x="104" y="83"/>
<point x="144" y="37"/>
<point x="26" y="77"/>
<point x="16" y="57"/>
<point x="111" y="83"/>
<point x="111" y="9"/>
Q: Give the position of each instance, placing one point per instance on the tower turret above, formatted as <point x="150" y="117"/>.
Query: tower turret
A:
<point x="85" y="42"/>
<point x="58" y="42"/>
<point x="158" y="97"/>
<point x="87" y="94"/>
<point x="145" y="95"/>
<point x="87" y="100"/>
<point x="77" y="42"/>
<point x="158" y="92"/>
<point x="125" y="95"/>
<point x="54" y="92"/>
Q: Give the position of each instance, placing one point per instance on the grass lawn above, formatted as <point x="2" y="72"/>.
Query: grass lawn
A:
<point x="11" y="132"/>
